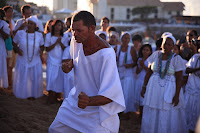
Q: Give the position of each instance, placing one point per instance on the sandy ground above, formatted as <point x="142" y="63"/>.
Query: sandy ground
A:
<point x="35" y="116"/>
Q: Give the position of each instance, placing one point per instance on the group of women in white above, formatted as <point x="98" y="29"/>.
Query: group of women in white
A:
<point x="165" y="105"/>
<point x="152" y="80"/>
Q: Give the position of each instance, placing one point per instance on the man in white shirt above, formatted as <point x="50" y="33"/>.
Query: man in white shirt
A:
<point x="104" y="25"/>
<point x="93" y="104"/>
<point x="22" y="24"/>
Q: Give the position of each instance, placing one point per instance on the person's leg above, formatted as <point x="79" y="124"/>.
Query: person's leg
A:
<point x="58" y="127"/>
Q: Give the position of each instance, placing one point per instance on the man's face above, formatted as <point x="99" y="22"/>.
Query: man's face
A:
<point x="80" y="31"/>
<point x="190" y="35"/>
<point x="104" y="23"/>
<point x="27" y="13"/>
<point x="67" y="24"/>
<point x="9" y="13"/>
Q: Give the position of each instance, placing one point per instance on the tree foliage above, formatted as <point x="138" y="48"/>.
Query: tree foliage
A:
<point x="3" y="3"/>
<point x="144" y="11"/>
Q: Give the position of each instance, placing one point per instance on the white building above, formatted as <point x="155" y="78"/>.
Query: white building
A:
<point x="67" y="4"/>
<point x="121" y="10"/>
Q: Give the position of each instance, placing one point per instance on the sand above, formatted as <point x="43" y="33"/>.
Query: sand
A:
<point x="35" y="116"/>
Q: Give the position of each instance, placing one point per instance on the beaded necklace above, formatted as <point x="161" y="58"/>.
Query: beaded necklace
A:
<point x="126" y="54"/>
<point x="162" y="74"/>
<point x="30" y="60"/>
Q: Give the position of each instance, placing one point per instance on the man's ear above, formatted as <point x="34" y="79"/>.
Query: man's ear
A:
<point x="92" y="28"/>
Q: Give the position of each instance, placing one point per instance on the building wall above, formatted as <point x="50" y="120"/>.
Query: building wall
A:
<point x="68" y="4"/>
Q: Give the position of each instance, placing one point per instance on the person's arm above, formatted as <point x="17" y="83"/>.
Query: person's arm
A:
<point x="52" y="46"/>
<point x="4" y="34"/>
<point x="61" y="44"/>
<point x="41" y="52"/>
<point x="191" y="70"/>
<point x="17" y="49"/>
<point x="146" y="80"/>
<point x="21" y="27"/>
<point x="178" y="76"/>
<point x="85" y="101"/>
<point x="134" y="58"/>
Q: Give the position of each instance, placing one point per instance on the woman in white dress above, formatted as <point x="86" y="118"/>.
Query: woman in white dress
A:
<point x="28" y="82"/>
<point x="4" y="33"/>
<point x="163" y="110"/>
<point x="142" y="67"/>
<point x="192" y="92"/>
<point x="55" y="44"/>
<point x="126" y="60"/>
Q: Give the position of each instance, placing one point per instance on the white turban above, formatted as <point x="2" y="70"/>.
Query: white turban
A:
<point x="33" y="19"/>
<point x="165" y="34"/>
<point x="113" y="33"/>
<point x="170" y="36"/>
<point x="124" y="33"/>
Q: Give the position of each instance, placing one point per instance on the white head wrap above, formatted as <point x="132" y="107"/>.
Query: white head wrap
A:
<point x="170" y="36"/>
<point x="165" y="34"/>
<point x="113" y="33"/>
<point x="124" y="33"/>
<point x="33" y="19"/>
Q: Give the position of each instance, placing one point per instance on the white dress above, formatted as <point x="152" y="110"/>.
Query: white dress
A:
<point x="139" y="83"/>
<point x="3" y="55"/>
<point x="127" y="78"/>
<point x="159" y="115"/>
<point x="55" y="75"/>
<point x="68" y="77"/>
<point x="28" y="81"/>
<point x="95" y="74"/>
<point x="192" y="93"/>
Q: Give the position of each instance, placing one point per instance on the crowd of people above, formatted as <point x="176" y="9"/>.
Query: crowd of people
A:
<point x="100" y="73"/>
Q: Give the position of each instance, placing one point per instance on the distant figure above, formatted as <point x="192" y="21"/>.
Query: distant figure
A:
<point x="4" y="34"/>
<point x="68" y="22"/>
<point x="28" y="80"/>
<point x="48" y="27"/>
<point x="113" y="38"/>
<point x="104" y="25"/>
<point x="93" y="104"/>
<point x="110" y="28"/>
<point x="11" y="56"/>
<point x="137" y="42"/>
<point x="102" y="35"/>
<point x="22" y="23"/>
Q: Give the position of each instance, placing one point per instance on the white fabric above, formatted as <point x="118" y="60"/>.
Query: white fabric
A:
<point x="33" y="19"/>
<point x="55" y="75"/>
<point x="124" y="33"/>
<point x="95" y="74"/>
<point x="192" y="93"/>
<point x="3" y="55"/>
<point x="165" y="33"/>
<point x="13" y="23"/>
<point x="127" y="79"/>
<point x="139" y="83"/>
<point x="159" y="115"/>
<point x="169" y="36"/>
<point x="22" y="20"/>
<point x="28" y="80"/>
<point x="69" y="36"/>
<point x="100" y="31"/>
<point x="68" y="77"/>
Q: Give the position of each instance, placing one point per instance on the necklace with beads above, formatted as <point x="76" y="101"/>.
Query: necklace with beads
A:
<point x="30" y="59"/>
<point x="169" y="57"/>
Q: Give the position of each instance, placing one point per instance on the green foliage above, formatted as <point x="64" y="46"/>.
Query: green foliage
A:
<point x="144" y="11"/>
<point x="3" y="3"/>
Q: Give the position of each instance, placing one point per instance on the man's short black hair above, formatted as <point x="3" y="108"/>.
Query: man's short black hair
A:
<point x="5" y="8"/>
<point x="87" y="18"/>
<point x="137" y="38"/>
<point x="24" y="7"/>
<point x="105" y="18"/>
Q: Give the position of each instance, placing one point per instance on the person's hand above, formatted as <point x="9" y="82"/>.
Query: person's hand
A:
<point x="23" y="25"/>
<point x="58" y="40"/>
<point x="175" y="100"/>
<point x="141" y="62"/>
<point x="20" y="52"/>
<point x="83" y="100"/>
<point x="143" y="91"/>
<point x="193" y="48"/>
<point x="67" y="65"/>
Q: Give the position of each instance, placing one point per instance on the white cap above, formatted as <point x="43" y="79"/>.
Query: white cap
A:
<point x="33" y="19"/>
<point x="124" y="33"/>
<point x="169" y="36"/>
<point x="113" y="33"/>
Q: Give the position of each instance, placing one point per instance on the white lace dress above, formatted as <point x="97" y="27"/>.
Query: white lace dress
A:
<point x="55" y="76"/>
<point x="192" y="93"/>
<point x="159" y="115"/>
<point x="126" y="78"/>
<point x="27" y="79"/>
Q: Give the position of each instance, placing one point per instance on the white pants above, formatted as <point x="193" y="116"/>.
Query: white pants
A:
<point x="58" y="127"/>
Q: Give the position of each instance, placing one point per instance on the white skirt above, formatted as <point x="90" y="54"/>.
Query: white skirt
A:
<point x="192" y="110"/>
<point x="138" y="88"/>
<point x="163" y="121"/>
<point x="68" y="82"/>
<point x="55" y="78"/>
<point x="129" y="90"/>
<point x="3" y="72"/>
<point x="28" y="81"/>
